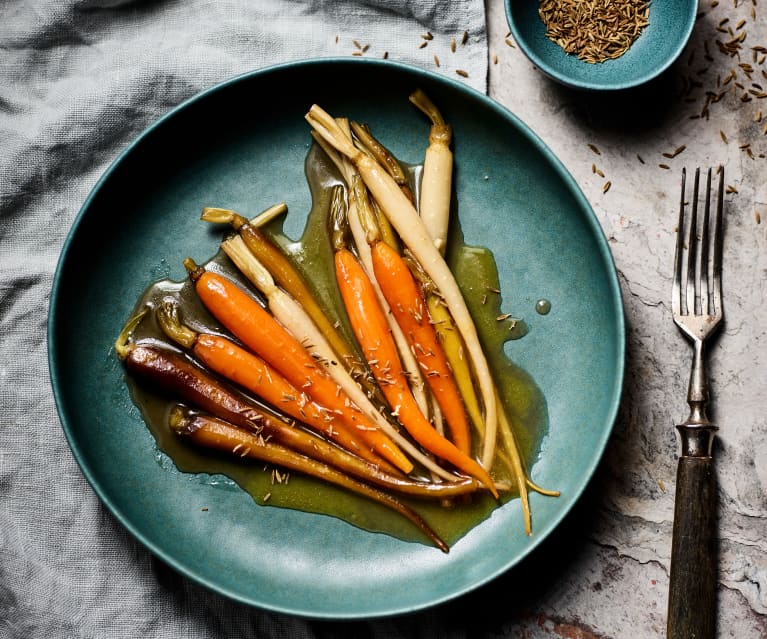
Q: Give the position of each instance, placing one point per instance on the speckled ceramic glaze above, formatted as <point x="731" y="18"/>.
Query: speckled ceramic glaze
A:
<point x="659" y="45"/>
<point x="242" y="145"/>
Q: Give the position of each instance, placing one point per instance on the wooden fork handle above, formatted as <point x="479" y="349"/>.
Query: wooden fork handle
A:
<point x="692" y="588"/>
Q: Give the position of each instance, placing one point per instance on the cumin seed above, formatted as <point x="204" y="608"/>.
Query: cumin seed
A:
<point x="594" y="30"/>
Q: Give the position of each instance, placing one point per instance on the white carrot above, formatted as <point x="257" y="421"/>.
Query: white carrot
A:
<point x="437" y="178"/>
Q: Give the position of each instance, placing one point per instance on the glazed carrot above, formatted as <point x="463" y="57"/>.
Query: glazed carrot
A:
<point x="175" y="375"/>
<point x="369" y="325"/>
<point x="292" y="316"/>
<point x="357" y="209"/>
<point x="407" y="304"/>
<point x="252" y="373"/>
<point x="403" y="486"/>
<point x="287" y="276"/>
<point x="415" y="236"/>
<point x="262" y="334"/>
<point x="210" y="432"/>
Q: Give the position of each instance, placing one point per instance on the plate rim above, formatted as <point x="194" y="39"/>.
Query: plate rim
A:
<point x="590" y="219"/>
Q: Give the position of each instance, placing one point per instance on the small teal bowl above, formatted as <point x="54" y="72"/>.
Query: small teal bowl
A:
<point x="655" y="50"/>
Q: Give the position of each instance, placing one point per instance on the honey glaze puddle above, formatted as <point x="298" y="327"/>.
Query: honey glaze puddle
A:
<point x="477" y="275"/>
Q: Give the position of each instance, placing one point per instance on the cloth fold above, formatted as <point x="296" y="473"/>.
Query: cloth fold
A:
<point x="79" y="80"/>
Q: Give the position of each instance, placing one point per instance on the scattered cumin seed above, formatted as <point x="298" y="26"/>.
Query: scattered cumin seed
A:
<point x="675" y="152"/>
<point x="503" y="317"/>
<point x="428" y="36"/>
<point x="595" y="149"/>
<point x="495" y="58"/>
<point x="664" y="166"/>
<point x="639" y="157"/>
<point x="465" y="37"/>
<point x="723" y="136"/>
<point x="758" y="217"/>
<point x="509" y="43"/>
<point x="600" y="173"/>
<point x="386" y="55"/>
<point x="436" y="59"/>
<point x="452" y="44"/>
<point x="462" y="73"/>
<point x="731" y="189"/>
<point x="267" y="497"/>
<point x="422" y="45"/>
<point x="607" y="186"/>
<point x="205" y="508"/>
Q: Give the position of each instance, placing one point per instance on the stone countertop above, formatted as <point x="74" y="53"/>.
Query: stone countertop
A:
<point x="606" y="570"/>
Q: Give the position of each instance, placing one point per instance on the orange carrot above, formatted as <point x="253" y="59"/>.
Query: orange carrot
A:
<point x="372" y="331"/>
<point x="249" y="371"/>
<point x="407" y="304"/>
<point x="262" y="334"/>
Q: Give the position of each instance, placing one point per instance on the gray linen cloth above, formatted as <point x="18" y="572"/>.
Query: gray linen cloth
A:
<point x="79" y="79"/>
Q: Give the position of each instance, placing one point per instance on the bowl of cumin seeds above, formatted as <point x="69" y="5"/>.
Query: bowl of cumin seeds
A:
<point x="601" y="44"/>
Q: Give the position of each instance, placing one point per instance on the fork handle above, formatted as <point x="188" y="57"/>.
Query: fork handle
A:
<point x="692" y="588"/>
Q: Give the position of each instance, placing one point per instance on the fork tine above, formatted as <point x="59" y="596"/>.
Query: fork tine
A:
<point x="716" y="289"/>
<point x="676" y="287"/>
<point x="692" y="287"/>
<point x="705" y="274"/>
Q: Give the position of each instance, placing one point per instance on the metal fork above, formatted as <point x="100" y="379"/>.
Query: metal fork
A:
<point x="697" y="311"/>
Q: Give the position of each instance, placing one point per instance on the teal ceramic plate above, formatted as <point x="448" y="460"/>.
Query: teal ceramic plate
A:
<point x="660" y="44"/>
<point x="242" y="145"/>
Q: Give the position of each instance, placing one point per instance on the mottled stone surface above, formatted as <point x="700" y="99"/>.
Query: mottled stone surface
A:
<point x="606" y="573"/>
